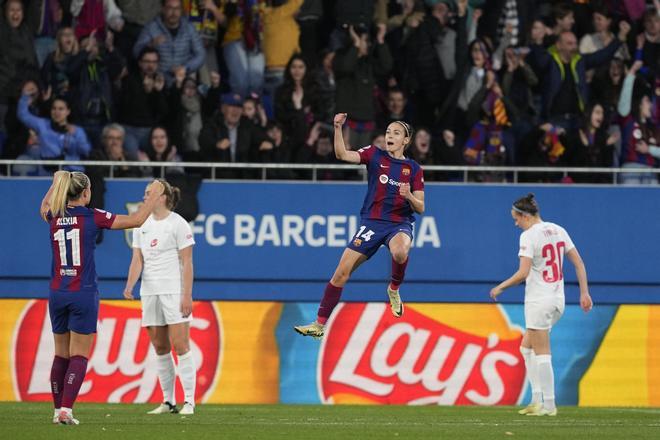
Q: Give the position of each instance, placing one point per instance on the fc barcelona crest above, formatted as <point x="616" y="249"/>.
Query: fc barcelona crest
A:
<point x="357" y="242"/>
<point x="406" y="171"/>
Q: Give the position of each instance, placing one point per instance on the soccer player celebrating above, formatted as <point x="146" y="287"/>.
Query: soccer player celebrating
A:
<point x="543" y="246"/>
<point x="395" y="193"/>
<point x="162" y="253"/>
<point x="73" y="301"/>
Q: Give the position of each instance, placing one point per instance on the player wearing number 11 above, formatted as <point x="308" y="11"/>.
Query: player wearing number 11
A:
<point x="395" y="193"/>
<point x="543" y="246"/>
<point x="73" y="301"/>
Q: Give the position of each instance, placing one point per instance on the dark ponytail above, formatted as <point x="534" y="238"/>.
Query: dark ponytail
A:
<point x="526" y="205"/>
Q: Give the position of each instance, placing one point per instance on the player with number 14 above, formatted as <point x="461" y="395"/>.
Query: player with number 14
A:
<point x="395" y="193"/>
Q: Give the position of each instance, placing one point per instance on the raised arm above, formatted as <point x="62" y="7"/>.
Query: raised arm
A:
<point x="134" y="271"/>
<point x="580" y="270"/>
<point x="340" y="147"/>
<point x="136" y="219"/>
<point x="515" y="279"/>
<point x="625" y="97"/>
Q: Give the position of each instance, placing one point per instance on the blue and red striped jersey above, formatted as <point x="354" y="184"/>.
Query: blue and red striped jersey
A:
<point x="386" y="174"/>
<point x="73" y="240"/>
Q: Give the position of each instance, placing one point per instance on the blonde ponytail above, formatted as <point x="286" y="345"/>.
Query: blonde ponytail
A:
<point x="67" y="186"/>
<point x="58" y="197"/>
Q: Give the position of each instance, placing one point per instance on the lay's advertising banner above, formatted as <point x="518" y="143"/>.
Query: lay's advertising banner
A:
<point x="436" y="354"/>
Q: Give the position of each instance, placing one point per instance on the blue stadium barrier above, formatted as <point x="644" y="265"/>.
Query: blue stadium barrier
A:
<point x="282" y="241"/>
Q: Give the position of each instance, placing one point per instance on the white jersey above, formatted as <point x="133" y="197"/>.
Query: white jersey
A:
<point x="546" y="244"/>
<point x="160" y="242"/>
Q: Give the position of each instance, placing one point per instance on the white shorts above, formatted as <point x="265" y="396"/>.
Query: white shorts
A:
<point x="159" y="310"/>
<point x="543" y="314"/>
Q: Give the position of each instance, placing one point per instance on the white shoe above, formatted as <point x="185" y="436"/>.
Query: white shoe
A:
<point x="66" y="418"/>
<point x="395" y="302"/>
<point x="56" y="416"/>
<point x="188" y="409"/>
<point x="164" y="408"/>
<point x="531" y="408"/>
<point x="544" y="412"/>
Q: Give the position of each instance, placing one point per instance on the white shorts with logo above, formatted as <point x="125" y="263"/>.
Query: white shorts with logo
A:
<point x="159" y="310"/>
<point x="542" y="314"/>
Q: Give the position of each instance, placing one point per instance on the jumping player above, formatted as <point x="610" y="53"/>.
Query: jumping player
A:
<point x="73" y="301"/>
<point x="543" y="246"/>
<point x="162" y="253"/>
<point x="395" y="193"/>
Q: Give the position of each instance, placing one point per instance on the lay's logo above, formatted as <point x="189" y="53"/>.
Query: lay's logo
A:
<point x="448" y="354"/>
<point x="122" y="364"/>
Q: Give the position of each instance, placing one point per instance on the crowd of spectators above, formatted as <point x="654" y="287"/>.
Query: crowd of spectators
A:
<point x="484" y="82"/>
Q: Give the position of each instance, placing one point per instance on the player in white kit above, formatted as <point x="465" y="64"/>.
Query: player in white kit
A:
<point x="162" y="253"/>
<point x="543" y="246"/>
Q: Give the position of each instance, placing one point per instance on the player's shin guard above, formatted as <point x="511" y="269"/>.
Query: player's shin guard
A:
<point x="73" y="379"/>
<point x="546" y="380"/>
<point x="57" y="373"/>
<point x="398" y="273"/>
<point x="166" y="377"/>
<point x="188" y="376"/>
<point x="328" y="303"/>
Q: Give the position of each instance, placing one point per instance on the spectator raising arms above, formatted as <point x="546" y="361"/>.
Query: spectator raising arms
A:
<point x="59" y="140"/>
<point x="357" y="67"/>
<point x="142" y="100"/>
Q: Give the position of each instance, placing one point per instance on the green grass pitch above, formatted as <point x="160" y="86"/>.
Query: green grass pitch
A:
<point x="288" y="422"/>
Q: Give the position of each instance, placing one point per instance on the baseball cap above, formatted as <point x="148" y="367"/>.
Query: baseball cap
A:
<point x="231" y="99"/>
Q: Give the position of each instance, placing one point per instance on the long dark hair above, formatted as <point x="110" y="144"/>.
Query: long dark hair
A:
<point x="289" y="84"/>
<point x="585" y="122"/>
<point x="151" y="152"/>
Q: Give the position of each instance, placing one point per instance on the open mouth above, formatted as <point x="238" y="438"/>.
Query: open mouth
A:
<point x="390" y="143"/>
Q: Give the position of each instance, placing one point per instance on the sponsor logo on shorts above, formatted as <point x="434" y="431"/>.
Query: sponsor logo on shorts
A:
<point x="357" y="242"/>
<point x="69" y="272"/>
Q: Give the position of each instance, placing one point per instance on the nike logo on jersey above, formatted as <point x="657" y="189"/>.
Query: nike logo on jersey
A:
<point x="384" y="166"/>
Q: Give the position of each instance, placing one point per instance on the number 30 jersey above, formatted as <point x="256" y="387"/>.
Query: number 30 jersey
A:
<point x="546" y="244"/>
<point x="73" y="240"/>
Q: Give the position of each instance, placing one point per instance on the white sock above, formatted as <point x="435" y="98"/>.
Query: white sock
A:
<point x="188" y="376"/>
<point x="547" y="380"/>
<point x="532" y="373"/>
<point x="166" y="376"/>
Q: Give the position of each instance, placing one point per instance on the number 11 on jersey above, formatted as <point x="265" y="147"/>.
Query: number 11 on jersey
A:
<point x="74" y="236"/>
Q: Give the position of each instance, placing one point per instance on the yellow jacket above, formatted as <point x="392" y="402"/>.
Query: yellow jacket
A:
<point x="281" y="33"/>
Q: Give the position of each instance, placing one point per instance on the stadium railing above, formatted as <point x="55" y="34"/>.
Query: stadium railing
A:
<point x="512" y="173"/>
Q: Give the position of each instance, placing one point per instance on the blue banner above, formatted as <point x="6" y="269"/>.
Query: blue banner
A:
<point x="282" y="241"/>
